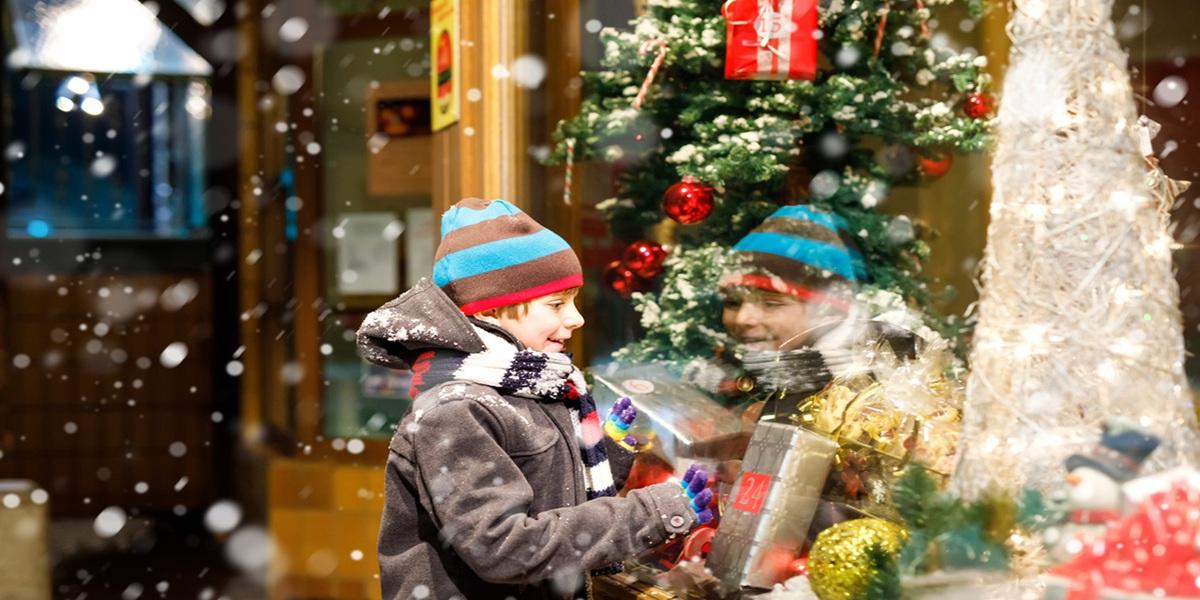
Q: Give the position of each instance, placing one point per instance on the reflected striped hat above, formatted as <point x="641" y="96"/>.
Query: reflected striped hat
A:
<point x="492" y="254"/>
<point x="798" y="250"/>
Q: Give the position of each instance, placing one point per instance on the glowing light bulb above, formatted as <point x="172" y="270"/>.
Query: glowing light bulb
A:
<point x="78" y="85"/>
<point x="92" y="106"/>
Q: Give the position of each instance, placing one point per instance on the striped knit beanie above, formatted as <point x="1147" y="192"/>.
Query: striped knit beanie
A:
<point x="492" y="254"/>
<point x="798" y="250"/>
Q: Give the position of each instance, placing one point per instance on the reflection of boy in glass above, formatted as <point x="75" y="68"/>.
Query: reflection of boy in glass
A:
<point x="793" y="281"/>
<point x="789" y="303"/>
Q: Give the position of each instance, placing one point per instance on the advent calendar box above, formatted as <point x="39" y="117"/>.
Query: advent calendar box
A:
<point x="765" y="523"/>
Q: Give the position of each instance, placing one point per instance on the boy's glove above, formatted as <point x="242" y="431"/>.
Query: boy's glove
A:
<point x="695" y="485"/>
<point x="620" y="417"/>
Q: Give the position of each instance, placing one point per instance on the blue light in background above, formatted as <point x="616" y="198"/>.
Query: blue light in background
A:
<point x="38" y="228"/>
<point x="291" y="225"/>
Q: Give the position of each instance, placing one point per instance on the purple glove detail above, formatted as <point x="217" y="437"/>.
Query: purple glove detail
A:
<point x="695" y="485"/>
<point x="622" y="413"/>
<point x="617" y="423"/>
<point x="694" y="480"/>
<point x="687" y="475"/>
<point x="700" y="506"/>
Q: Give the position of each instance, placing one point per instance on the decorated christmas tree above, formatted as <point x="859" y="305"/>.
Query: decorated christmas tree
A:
<point x="718" y="112"/>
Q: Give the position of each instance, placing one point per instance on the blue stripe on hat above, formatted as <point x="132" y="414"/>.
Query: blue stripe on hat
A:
<point x="458" y="217"/>
<point x="827" y="257"/>
<point x="805" y="213"/>
<point x="499" y="254"/>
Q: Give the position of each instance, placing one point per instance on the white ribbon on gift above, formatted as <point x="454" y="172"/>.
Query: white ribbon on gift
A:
<point x="770" y="25"/>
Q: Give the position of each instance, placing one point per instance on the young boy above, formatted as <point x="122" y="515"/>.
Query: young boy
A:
<point x="498" y="480"/>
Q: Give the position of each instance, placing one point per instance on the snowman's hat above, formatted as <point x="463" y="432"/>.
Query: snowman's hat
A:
<point x="1123" y="447"/>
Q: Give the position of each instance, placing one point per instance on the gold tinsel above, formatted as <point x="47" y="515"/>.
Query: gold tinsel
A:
<point x="839" y="565"/>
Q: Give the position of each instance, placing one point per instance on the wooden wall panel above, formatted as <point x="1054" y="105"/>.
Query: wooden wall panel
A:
<point x="69" y="424"/>
<point x="324" y="520"/>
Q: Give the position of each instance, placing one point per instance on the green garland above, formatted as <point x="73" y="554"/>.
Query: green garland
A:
<point x="754" y="140"/>
<point x="948" y="533"/>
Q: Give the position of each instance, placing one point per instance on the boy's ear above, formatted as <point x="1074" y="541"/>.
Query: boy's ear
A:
<point x="488" y="316"/>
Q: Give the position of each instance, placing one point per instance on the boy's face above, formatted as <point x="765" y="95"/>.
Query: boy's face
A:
<point x="547" y="325"/>
<point x="764" y="320"/>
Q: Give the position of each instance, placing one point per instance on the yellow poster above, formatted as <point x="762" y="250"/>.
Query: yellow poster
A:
<point x="443" y="78"/>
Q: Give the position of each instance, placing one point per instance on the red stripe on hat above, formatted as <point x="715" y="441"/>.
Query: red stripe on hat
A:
<point x="537" y="291"/>
<point x="775" y="284"/>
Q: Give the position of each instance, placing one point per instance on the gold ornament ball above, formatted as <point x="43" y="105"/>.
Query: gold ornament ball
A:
<point x="839" y="566"/>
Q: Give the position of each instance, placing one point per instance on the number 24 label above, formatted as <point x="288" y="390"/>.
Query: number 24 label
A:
<point x="753" y="492"/>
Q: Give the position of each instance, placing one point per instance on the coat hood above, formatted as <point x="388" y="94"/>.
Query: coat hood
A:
<point x="422" y="318"/>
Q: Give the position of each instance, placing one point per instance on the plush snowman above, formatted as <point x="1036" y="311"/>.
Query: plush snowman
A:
<point x="1095" y="498"/>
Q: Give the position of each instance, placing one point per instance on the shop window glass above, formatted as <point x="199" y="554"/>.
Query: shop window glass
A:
<point x="377" y="221"/>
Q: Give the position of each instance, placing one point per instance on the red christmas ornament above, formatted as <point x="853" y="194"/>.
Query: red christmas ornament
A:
<point x="645" y="258"/>
<point x="688" y="201"/>
<point x="622" y="279"/>
<point x="977" y="106"/>
<point x="935" y="165"/>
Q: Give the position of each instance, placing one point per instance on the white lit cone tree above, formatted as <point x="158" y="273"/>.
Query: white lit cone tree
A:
<point x="1078" y="317"/>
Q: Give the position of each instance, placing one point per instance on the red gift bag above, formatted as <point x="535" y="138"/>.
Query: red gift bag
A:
<point x="770" y="39"/>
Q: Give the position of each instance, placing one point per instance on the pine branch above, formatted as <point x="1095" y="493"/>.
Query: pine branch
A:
<point x="885" y="584"/>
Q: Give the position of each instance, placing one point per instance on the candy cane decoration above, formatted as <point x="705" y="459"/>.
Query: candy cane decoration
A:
<point x="924" y="21"/>
<point x="647" y="46"/>
<point x="887" y="8"/>
<point x="570" y="169"/>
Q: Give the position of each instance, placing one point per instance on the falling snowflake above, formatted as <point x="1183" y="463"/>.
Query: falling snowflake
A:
<point x="250" y="549"/>
<point x="110" y="521"/>
<point x="103" y="166"/>
<point x="1170" y="91"/>
<point x="172" y="355"/>
<point x="288" y="80"/>
<point x="223" y="516"/>
<point x="293" y="29"/>
<point x="176" y="296"/>
<point x="529" y="71"/>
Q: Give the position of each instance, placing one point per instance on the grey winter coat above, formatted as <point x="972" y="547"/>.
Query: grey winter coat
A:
<point x="485" y="493"/>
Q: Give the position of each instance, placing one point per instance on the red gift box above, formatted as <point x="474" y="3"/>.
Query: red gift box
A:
<point x="770" y="39"/>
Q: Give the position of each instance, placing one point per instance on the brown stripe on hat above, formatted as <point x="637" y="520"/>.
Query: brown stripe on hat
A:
<point x="491" y="230"/>
<point x="551" y="267"/>
<point x="785" y="268"/>
<point x="800" y="228"/>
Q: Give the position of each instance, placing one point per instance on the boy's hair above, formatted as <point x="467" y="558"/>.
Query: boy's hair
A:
<point x="517" y="311"/>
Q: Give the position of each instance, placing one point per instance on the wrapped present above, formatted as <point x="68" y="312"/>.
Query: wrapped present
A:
<point x="770" y="39"/>
<point x="895" y="413"/>
<point x="764" y="524"/>
<point x="675" y="419"/>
